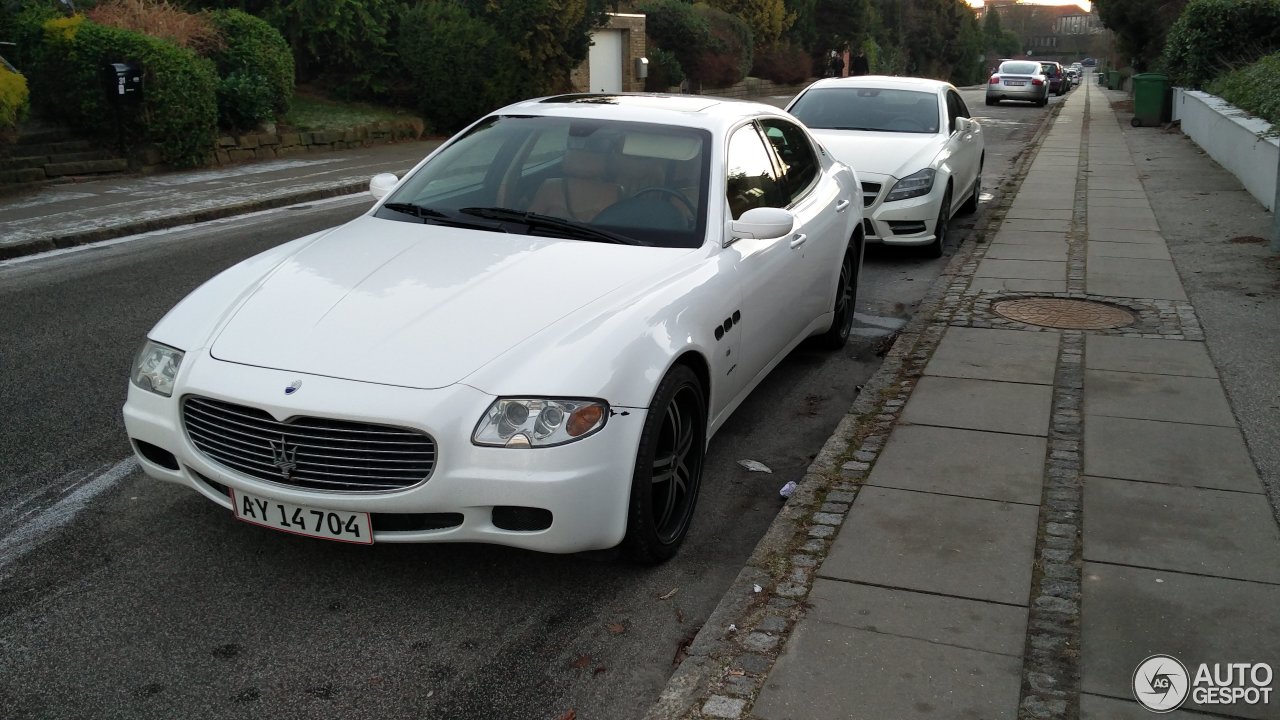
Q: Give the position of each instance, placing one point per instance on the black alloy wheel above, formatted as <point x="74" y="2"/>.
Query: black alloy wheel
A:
<point x="837" y="336"/>
<point x="668" y="470"/>
<point x="934" y="249"/>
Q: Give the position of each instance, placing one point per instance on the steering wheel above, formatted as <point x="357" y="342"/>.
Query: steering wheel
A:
<point x="675" y="194"/>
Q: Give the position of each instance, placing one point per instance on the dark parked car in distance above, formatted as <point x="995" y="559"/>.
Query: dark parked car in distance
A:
<point x="1057" y="77"/>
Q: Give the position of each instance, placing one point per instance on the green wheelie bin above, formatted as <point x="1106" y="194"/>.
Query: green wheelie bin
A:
<point x="1113" y="79"/>
<point x="1149" y="90"/>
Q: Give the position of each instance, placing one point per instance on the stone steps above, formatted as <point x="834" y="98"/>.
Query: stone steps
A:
<point x="53" y="154"/>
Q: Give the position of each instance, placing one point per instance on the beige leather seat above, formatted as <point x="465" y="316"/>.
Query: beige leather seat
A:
<point x="583" y="191"/>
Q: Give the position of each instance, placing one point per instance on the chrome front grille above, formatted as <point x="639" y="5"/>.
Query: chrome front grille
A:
<point x="870" y="191"/>
<point x="308" y="452"/>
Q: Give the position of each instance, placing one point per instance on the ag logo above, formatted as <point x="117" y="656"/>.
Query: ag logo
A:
<point x="1161" y="683"/>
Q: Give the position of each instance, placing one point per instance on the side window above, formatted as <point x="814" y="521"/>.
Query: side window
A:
<point x="953" y="109"/>
<point x="962" y="110"/>
<point x="750" y="180"/>
<point x="795" y="154"/>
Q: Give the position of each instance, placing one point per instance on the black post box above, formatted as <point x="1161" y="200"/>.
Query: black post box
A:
<point x="123" y="82"/>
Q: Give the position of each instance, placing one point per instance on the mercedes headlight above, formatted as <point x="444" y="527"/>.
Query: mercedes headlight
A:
<point x="913" y="185"/>
<point x="539" y="422"/>
<point x="156" y="368"/>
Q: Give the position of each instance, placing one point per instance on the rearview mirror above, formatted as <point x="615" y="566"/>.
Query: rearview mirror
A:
<point x="963" y="124"/>
<point x="761" y="223"/>
<point x="381" y="184"/>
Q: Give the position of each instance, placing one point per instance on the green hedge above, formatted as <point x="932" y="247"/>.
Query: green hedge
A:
<point x="1212" y="37"/>
<point x="460" y="67"/>
<point x="13" y="98"/>
<point x="255" y="67"/>
<point x="1254" y="89"/>
<point x="178" y="111"/>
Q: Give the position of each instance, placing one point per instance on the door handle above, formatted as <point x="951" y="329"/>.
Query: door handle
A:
<point x="842" y="205"/>
<point x="798" y="239"/>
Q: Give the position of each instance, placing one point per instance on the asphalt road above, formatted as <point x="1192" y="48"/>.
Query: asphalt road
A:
<point x="121" y="597"/>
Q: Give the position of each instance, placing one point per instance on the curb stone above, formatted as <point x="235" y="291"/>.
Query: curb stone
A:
<point x="717" y="664"/>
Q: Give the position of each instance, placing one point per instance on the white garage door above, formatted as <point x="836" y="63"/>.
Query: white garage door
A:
<point x="606" y="61"/>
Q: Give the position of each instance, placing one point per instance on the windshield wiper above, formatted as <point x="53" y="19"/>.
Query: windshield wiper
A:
<point x="432" y="215"/>
<point x="570" y="228"/>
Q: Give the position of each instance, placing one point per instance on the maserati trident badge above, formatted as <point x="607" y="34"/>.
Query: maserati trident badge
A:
<point x="293" y="387"/>
<point x="285" y="458"/>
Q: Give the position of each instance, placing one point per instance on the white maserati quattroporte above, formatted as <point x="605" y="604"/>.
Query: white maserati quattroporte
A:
<point x="528" y="340"/>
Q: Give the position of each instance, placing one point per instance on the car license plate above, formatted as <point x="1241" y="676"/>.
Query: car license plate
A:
<point x="1015" y="82"/>
<point x="352" y="527"/>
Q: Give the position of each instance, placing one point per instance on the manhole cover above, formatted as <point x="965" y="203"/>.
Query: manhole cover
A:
<point x="1064" y="313"/>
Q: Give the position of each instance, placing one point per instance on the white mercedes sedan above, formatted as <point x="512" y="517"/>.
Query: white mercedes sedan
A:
<point x="913" y="144"/>
<point x="528" y="340"/>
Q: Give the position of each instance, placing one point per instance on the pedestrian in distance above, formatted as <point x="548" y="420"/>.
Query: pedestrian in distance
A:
<point x="837" y="64"/>
<point x="859" y="65"/>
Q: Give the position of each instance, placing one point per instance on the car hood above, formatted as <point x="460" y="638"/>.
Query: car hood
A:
<point x="420" y="306"/>
<point x="896" y="154"/>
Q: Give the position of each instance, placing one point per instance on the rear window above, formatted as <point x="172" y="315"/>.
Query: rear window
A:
<point x="1020" y="68"/>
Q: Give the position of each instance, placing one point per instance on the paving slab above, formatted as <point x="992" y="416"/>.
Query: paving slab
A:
<point x="1022" y="269"/>
<point x="1056" y="252"/>
<point x="962" y="547"/>
<point x="1107" y="215"/>
<point x="1119" y="221"/>
<point x="1096" y="707"/>
<point x="997" y="285"/>
<point x="1148" y="355"/>
<point x="989" y="627"/>
<point x="1107" y="184"/>
<point x="1144" y="251"/>
<point x="1016" y="224"/>
<point x="969" y="463"/>
<point x="832" y="673"/>
<point x="1199" y="401"/>
<point x="1097" y="201"/>
<point x="1192" y="530"/>
<point x="1129" y="277"/>
<point x="988" y="354"/>
<point x="1022" y="237"/>
<point x="1039" y="213"/>
<point x="1015" y="408"/>
<point x="1047" y="200"/>
<point x="1134" y="613"/>
<point x="1125" y="236"/>
<point x="1165" y="452"/>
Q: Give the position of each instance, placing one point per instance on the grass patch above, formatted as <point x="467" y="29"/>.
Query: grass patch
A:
<point x="310" y="111"/>
<point x="1253" y="88"/>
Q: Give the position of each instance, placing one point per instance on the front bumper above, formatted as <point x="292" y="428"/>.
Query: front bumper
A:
<point x="585" y="485"/>
<point x="903" y="222"/>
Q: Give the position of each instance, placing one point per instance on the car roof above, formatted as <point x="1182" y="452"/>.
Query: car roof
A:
<point x="701" y="111"/>
<point x="887" y="82"/>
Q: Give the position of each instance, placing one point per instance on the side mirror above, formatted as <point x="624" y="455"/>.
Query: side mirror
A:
<point x="963" y="125"/>
<point x="762" y="223"/>
<point x="381" y="184"/>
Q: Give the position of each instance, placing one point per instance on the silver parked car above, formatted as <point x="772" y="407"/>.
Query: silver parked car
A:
<point x="1018" y="80"/>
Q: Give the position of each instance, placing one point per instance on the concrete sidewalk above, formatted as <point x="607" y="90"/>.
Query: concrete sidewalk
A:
<point x="59" y="216"/>
<point x="1056" y="491"/>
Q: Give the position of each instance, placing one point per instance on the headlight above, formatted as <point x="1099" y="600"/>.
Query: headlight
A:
<point x="539" y="422"/>
<point x="156" y="368"/>
<point x="913" y="185"/>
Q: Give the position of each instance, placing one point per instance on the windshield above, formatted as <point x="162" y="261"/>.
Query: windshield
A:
<point x="1020" y="68"/>
<point x="636" y="181"/>
<point x="877" y="109"/>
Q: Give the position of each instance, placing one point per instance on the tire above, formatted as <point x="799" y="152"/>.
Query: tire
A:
<point x="970" y="205"/>
<point x="992" y="102"/>
<point x="845" y="303"/>
<point x="668" y="469"/>
<point x="1042" y="102"/>
<point x="935" y="248"/>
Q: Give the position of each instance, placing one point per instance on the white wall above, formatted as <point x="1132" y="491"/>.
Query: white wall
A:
<point x="1232" y="139"/>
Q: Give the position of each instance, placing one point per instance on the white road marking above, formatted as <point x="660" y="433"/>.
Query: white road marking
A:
<point x="35" y="524"/>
